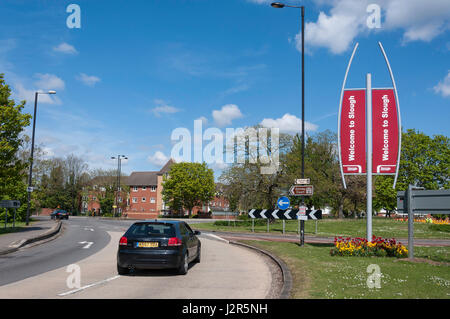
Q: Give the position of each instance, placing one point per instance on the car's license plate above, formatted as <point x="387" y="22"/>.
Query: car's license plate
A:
<point x="147" y="244"/>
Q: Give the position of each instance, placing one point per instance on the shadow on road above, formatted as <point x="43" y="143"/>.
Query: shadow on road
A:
<point x="156" y="272"/>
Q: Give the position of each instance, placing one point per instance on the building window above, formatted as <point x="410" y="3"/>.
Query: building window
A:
<point x="143" y="199"/>
<point x="153" y="188"/>
<point x="152" y="200"/>
<point x="144" y="188"/>
<point x="134" y="199"/>
<point x="135" y="189"/>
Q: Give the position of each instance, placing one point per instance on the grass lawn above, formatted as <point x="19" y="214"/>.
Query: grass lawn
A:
<point x="9" y="227"/>
<point x="318" y="275"/>
<point x="386" y="228"/>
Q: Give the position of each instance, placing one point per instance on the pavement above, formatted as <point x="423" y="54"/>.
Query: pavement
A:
<point x="37" y="230"/>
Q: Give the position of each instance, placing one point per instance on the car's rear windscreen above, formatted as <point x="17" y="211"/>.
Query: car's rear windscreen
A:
<point x="152" y="230"/>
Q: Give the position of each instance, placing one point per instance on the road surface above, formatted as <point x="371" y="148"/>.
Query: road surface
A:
<point x="81" y="263"/>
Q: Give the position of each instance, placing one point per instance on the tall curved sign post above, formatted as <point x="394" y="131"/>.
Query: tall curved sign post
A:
<point x="369" y="132"/>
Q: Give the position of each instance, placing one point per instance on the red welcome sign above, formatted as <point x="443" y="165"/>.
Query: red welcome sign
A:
<point x="385" y="131"/>
<point x="353" y="132"/>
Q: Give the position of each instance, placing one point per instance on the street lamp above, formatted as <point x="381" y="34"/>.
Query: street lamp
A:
<point x="119" y="166"/>
<point x="279" y="5"/>
<point x="30" y="189"/>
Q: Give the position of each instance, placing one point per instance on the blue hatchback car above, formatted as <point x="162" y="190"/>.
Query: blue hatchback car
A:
<point x="158" y="244"/>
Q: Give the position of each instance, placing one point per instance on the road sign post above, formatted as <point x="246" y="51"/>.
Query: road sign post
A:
<point x="369" y="154"/>
<point x="287" y="214"/>
<point x="416" y="200"/>
<point x="283" y="202"/>
<point x="301" y="190"/>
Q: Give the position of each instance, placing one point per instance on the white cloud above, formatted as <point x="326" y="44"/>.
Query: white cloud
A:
<point x="163" y="108"/>
<point x="443" y="87"/>
<point x="65" y="48"/>
<point x="261" y="1"/>
<point x="226" y="114"/>
<point x="158" y="158"/>
<point x="89" y="80"/>
<point x="288" y="124"/>
<point x="26" y="94"/>
<point x="49" y="82"/>
<point x="336" y="30"/>
<point x="422" y="20"/>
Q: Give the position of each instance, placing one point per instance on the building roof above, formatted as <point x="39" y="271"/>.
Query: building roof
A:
<point x="143" y="179"/>
<point x="148" y="178"/>
<point x="166" y="167"/>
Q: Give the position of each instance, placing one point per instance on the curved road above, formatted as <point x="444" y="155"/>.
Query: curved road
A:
<point x="225" y="271"/>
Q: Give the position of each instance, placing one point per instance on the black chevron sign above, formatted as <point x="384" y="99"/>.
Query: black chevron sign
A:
<point x="283" y="214"/>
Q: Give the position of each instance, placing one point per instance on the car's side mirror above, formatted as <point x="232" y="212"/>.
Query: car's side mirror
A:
<point x="196" y="232"/>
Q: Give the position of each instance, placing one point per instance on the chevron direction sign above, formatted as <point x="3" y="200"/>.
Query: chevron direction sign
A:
<point x="283" y="214"/>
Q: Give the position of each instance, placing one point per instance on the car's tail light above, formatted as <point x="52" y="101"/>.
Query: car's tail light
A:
<point x="174" y="241"/>
<point x="123" y="241"/>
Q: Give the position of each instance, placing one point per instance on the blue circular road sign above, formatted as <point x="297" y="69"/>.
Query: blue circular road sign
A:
<point x="283" y="202"/>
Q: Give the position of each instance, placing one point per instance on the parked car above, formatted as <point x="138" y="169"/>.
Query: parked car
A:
<point x="59" y="214"/>
<point x="158" y="244"/>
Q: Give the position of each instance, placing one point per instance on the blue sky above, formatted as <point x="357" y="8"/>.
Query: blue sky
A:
<point x="137" y="70"/>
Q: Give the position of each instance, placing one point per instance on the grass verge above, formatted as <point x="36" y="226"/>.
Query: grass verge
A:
<point x="318" y="275"/>
<point x="386" y="228"/>
<point x="10" y="229"/>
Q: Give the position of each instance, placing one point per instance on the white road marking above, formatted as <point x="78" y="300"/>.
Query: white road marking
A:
<point x="217" y="237"/>
<point x="87" y="286"/>
<point x="88" y="244"/>
<point x="91" y="229"/>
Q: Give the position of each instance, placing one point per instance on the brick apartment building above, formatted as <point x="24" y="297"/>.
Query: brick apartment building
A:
<point x="144" y="197"/>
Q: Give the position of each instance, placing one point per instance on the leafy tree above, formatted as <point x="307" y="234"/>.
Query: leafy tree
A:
<point x="188" y="185"/>
<point x="12" y="167"/>
<point x="107" y="200"/>
<point x="385" y="195"/>
<point x="250" y="184"/>
<point x="424" y="162"/>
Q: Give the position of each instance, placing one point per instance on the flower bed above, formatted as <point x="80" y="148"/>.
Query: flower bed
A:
<point x="379" y="247"/>
<point x="427" y="220"/>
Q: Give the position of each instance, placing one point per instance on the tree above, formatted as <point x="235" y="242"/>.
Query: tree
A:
<point x="424" y="162"/>
<point x="107" y="200"/>
<point x="12" y="167"/>
<point x="188" y="185"/>
<point x="385" y="195"/>
<point x="249" y="184"/>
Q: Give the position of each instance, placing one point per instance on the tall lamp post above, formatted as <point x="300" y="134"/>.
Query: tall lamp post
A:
<point x="119" y="167"/>
<point x="30" y="175"/>
<point x="279" y="5"/>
